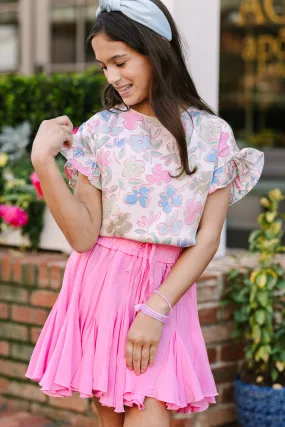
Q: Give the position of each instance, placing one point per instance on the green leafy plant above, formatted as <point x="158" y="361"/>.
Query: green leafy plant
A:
<point x="257" y="294"/>
<point x="36" y="98"/>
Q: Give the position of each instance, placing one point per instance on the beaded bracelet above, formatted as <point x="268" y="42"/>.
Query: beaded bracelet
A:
<point x="165" y="299"/>
<point x="149" y="312"/>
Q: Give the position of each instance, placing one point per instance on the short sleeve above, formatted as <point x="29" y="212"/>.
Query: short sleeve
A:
<point x="240" y="168"/>
<point x="81" y="157"/>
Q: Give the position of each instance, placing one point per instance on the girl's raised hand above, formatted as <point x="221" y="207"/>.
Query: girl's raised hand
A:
<point x="142" y="342"/>
<point x="52" y="134"/>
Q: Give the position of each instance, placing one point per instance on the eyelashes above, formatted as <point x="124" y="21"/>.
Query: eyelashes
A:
<point x="118" y="65"/>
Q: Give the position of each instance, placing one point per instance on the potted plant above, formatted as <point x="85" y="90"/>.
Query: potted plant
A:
<point x="257" y="294"/>
<point x="24" y="218"/>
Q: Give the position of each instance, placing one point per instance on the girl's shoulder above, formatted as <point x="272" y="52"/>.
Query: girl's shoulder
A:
<point x="200" y="119"/>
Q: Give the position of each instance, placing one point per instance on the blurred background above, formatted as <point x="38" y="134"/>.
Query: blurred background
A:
<point x="237" y="60"/>
<point x="49" y="36"/>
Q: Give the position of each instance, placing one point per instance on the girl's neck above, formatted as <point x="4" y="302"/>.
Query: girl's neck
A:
<point x="143" y="108"/>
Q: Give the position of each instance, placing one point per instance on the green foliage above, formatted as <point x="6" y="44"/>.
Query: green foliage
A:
<point x="41" y="97"/>
<point x="258" y="295"/>
<point x="25" y="101"/>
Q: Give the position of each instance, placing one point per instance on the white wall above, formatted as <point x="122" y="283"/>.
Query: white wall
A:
<point x="199" y="24"/>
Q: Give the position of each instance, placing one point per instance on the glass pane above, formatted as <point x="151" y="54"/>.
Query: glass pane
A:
<point x="252" y="70"/>
<point x="9" y="41"/>
<point x="63" y="34"/>
<point x="90" y="14"/>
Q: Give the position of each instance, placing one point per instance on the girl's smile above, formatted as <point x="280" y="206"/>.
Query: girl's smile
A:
<point x="128" y="71"/>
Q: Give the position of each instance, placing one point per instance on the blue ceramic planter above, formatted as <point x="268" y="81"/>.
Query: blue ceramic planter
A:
<point x="259" y="406"/>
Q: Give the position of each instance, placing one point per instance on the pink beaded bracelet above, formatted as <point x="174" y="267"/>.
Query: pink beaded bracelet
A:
<point x="149" y="312"/>
<point x="165" y="299"/>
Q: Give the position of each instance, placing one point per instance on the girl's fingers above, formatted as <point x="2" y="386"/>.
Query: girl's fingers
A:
<point x="67" y="137"/>
<point x="145" y="358"/>
<point x="137" y="355"/>
<point x="67" y="128"/>
<point x="129" y="354"/>
<point x="63" y="120"/>
<point x="152" y="354"/>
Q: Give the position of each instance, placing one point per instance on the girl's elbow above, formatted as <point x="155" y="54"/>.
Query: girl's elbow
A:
<point x="81" y="246"/>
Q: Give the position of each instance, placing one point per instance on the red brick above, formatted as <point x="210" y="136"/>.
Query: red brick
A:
<point x="227" y="393"/>
<point x="16" y="405"/>
<point x="208" y="315"/>
<point x="206" y="277"/>
<point x="4" y="348"/>
<point x="3" y="385"/>
<point x="233" y="351"/>
<point x="21" y="351"/>
<point x="28" y="273"/>
<point x="23" y="419"/>
<point x="6" y="269"/>
<point x="218" y="333"/>
<point x="35" y="333"/>
<point x="13" y="331"/>
<point x="225" y="373"/>
<point x="53" y="413"/>
<point x="13" y="294"/>
<point x="55" y="277"/>
<point x="43" y="276"/>
<point x="29" y="315"/>
<point x="219" y="416"/>
<point x="182" y="423"/>
<point x="73" y="403"/>
<point x="43" y="298"/>
<point x="17" y="271"/>
<point x="30" y="392"/>
<point x="226" y="313"/>
<point x="207" y="291"/>
<point x="13" y="369"/>
<point x="4" y="310"/>
<point x="212" y="354"/>
<point x="79" y="421"/>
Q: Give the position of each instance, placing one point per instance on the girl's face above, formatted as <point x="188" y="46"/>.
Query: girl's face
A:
<point x="127" y="70"/>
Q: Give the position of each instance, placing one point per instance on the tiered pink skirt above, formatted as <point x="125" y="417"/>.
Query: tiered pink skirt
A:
<point x="82" y="345"/>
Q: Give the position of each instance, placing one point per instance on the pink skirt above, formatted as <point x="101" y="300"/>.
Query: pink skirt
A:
<point x="82" y="345"/>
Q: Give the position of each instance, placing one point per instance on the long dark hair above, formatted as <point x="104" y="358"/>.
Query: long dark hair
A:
<point x="172" y="87"/>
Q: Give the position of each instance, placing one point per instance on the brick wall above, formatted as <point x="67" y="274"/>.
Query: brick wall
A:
<point x="29" y="285"/>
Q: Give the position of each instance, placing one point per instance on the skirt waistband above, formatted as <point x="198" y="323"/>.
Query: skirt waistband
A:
<point x="155" y="252"/>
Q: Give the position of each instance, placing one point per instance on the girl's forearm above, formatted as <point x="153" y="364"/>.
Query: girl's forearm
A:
<point x="70" y="214"/>
<point x="186" y="271"/>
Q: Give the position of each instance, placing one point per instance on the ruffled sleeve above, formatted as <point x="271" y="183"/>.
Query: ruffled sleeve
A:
<point x="81" y="156"/>
<point x="240" y="168"/>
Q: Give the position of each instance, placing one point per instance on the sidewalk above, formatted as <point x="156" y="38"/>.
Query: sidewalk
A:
<point x="24" y="419"/>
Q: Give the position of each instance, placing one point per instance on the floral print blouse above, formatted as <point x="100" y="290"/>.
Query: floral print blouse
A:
<point x="130" y="157"/>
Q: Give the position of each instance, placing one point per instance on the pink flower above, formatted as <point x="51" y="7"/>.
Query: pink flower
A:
<point x="131" y="120"/>
<point x="193" y="210"/>
<point x="159" y="176"/>
<point x="37" y="185"/>
<point x="14" y="216"/>
<point x="74" y="131"/>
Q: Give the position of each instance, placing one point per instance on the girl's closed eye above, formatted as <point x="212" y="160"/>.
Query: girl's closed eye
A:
<point x="121" y="65"/>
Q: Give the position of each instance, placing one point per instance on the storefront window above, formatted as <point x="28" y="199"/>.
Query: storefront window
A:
<point x="9" y="41"/>
<point x="71" y="21"/>
<point x="252" y="97"/>
<point x="90" y="14"/>
<point x="252" y="83"/>
<point x="63" y="34"/>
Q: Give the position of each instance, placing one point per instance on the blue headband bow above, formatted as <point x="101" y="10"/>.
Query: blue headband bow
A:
<point x="143" y="11"/>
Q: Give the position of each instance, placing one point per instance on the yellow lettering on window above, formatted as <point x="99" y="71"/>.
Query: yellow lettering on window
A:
<point x="272" y="15"/>
<point x="253" y="9"/>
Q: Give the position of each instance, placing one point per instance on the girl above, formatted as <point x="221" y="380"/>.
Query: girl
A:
<point x="153" y="175"/>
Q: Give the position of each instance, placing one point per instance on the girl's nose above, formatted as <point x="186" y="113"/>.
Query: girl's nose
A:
<point x="113" y="76"/>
